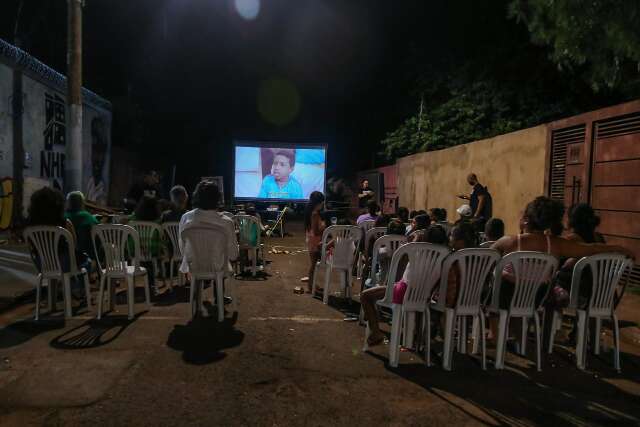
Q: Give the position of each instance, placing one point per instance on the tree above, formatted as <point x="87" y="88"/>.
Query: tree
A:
<point x="598" y="38"/>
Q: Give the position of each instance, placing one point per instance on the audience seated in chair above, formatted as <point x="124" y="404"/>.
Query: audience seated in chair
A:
<point x="179" y="201"/>
<point x="372" y="212"/>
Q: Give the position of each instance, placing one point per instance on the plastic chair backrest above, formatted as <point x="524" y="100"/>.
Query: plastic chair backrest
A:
<point x="114" y="240"/>
<point x="487" y="244"/>
<point x="249" y="230"/>
<point x="531" y="270"/>
<point x="45" y="241"/>
<point x="425" y="266"/>
<point x="391" y="242"/>
<point x="475" y="267"/>
<point x="346" y="239"/>
<point x="372" y="235"/>
<point x="606" y="272"/>
<point x="206" y="248"/>
<point x="150" y="234"/>
<point x="171" y="230"/>
<point x="367" y="225"/>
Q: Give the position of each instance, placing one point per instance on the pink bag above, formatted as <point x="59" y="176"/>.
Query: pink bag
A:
<point x="399" y="289"/>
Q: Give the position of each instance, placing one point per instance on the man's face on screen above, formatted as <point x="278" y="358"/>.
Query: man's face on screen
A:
<point x="281" y="168"/>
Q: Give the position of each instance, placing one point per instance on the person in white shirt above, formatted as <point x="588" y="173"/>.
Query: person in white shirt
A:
<point x="205" y="200"/>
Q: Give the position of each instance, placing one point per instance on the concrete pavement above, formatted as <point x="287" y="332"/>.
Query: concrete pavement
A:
<point x="285" y="359"/>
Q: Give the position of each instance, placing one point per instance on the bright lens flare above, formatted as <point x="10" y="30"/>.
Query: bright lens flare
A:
<point x="248" y="9"/>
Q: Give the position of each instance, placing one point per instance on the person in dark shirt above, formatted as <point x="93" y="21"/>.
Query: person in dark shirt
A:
<point x="179" y="200"/>
<point x="480" y="202"/>
<point x="365" y="194"/>
<point x="150" y="186"/>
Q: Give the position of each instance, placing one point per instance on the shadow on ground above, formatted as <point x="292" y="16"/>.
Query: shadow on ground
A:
<point x="560" y="395"/>
<point x="24" y="330"/>
<point x="93" y="333"/>
<point x="203" y="339"/>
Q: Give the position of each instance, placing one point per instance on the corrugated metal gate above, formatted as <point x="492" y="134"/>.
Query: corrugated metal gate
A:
<point x="595" y="158"/>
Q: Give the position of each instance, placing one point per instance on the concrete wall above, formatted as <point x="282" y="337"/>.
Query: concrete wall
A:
<point x="45" y="135"/>
<point x="512" y="166"/>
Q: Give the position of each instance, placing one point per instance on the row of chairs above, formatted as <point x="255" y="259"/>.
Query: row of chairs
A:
<point x="480" y="275"/>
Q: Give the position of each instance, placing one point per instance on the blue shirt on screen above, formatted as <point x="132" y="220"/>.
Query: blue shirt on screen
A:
<point x="271" y="190"/>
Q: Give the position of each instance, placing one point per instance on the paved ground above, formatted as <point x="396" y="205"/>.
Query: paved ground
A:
<point x="286" y="359"/>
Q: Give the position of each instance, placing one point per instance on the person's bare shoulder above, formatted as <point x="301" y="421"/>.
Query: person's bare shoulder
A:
<point x="504" y="244"/>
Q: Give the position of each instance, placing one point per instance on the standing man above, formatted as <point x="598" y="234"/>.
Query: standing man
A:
<point x="480" y="202"/>
<point x="365" y="194"/>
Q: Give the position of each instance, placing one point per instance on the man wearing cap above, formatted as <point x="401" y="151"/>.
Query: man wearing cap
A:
<point x="480" y="202"/>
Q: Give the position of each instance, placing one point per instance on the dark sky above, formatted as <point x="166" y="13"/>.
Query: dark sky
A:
<point x="188" y="76"/>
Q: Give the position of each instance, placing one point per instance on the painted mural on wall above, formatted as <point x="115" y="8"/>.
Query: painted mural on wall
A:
<point x="52" y="157"/>
<point x="96" y="188"/>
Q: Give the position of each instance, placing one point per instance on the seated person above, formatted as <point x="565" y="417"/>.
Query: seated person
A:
<point x="493" y="231"/>
<point x="179" y="200"/>
<point x="394" y="227"/>
<point x="206" y="198"/>
<point x="371" y="214"/>
<point x="420" y="222"/>
<point x="82" y="222"/>
<point x="540" y="217"/>
<point x="279" y="184"/>
<point x="46" y="208"/>
<point x="439" y="216"/>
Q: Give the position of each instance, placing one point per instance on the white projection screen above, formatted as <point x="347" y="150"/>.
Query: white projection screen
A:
<point x="271" y="171"/>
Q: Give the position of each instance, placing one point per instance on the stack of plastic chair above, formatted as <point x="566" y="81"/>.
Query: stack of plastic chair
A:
<point x="249" y="231"/>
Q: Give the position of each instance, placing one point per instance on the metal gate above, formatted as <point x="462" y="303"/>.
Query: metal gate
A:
<point x="595" y="158"/>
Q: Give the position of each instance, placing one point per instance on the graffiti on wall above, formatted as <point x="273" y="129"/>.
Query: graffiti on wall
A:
<point x="55" y="135"/>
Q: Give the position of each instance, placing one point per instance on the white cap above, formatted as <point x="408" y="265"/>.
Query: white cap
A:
<point x="464" y="210"/>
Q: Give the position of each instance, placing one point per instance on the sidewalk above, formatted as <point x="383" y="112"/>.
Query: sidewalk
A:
<point x="17" y="273"/>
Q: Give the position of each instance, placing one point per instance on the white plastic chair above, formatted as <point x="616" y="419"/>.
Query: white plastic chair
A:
<point x="606" y="271"/>
<point x="150" y="234"/>
<point x="245" y="225"/>
<point x="370" y="233"/>
<point x="345" y="240"/>
<point x="171" y="230"/>
<point x="532" y="270"/>
<point x="475" y="267"/>
<point x="45" y="241"/>
<point x="390" y="243"/>
<point x="114" y="240"/>
<point x="205" y="247"/>
<point x="425" y="265"/>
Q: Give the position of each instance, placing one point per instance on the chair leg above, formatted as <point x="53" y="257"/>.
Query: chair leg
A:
<point x="396" y="329"/>
<point x="87" y="291"/>
<point x="130" y="295"/>
<point x="523" y="337"/>
<point x="447" y="354"/>
<point x="616" y="343"/>
<point x="475" y="333"/>
<point x="51" y="295"/>
<point x="552" y="331"/>
<point x="254" y="262"/>
<point x="483" y="339"/>
<point x="66" y="290"/>
<point x="503" y="333"/>
<point x="147" y="290"/>
<point x="103" y="280"/>
<point x="327" y="281"/>
<point x="409" y="331"/>
<point x="220" y="299"/>
<point x="596" y="336"/>
<point x="38" y="294"/>
<point x="582" y="336"/>
<point x="536" y="319"/>
<point x="427" y="351"/>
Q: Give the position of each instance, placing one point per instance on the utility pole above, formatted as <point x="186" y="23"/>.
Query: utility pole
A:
<point x="73" y="161"/>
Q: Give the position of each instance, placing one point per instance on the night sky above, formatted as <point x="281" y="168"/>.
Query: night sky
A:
<point x="186" y="77"/>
